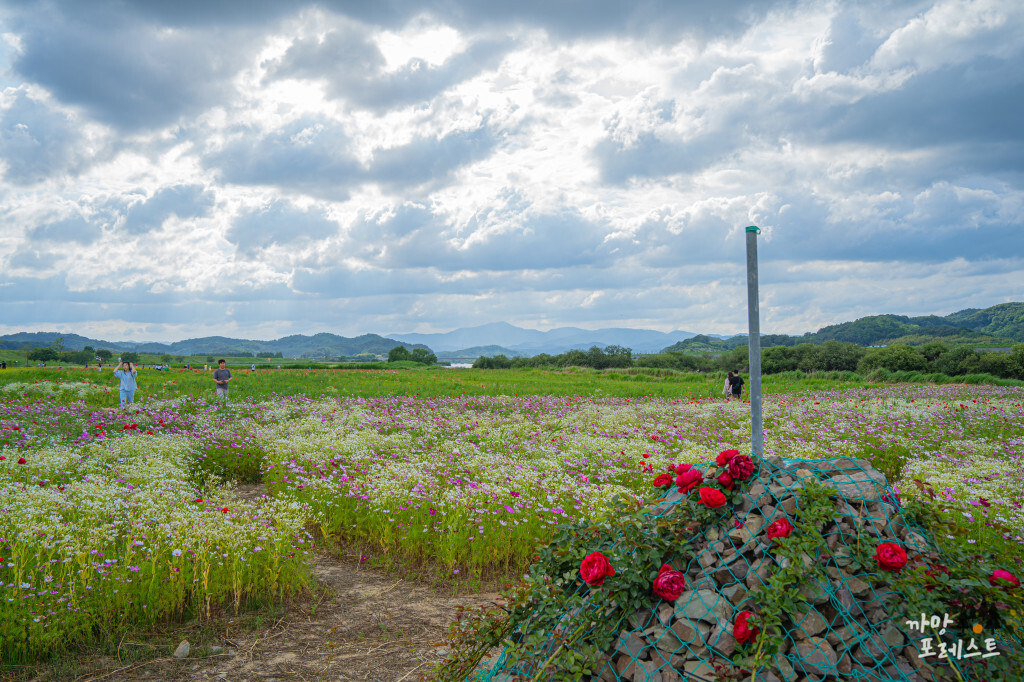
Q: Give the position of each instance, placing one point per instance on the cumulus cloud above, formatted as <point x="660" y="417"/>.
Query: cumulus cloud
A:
<point x="366" y="166"/>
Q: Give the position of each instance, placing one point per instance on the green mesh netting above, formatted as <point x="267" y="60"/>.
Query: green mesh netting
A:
<point x="852" y="630"/>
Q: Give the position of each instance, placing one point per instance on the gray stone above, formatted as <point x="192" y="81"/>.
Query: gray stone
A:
<point x="705" y="605"/>
<point x="812" y="624"/>
<point x="814" y="593"/>
<point x="216" y="650"/>
<point x="785" y="669"/>
<point x="893" y="636"/>
<point x="686" y="632"/>
<point x="735" y="594"/>
<point x="665" y="612"/>
<point x="182" y="650"/>
<point x="698" y="668"/>
<point x="647" y="671"/>
<point x="722" y="642"/>
<point x="816" y="655"/>
<point x="857" y="587"/>
<point x="630" y="644"/>
<point x="856" y="486"/>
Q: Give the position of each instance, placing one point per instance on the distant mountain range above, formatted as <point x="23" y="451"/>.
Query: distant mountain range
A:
<point x="553" y="341"/>
<point x="295" y="346"/>
<point x="999" y="324"/>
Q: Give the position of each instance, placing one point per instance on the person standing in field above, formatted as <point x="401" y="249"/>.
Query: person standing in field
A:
<point x="727" y="386"/>
<point x="736" y="383"/>
<point x="222" y="375"/>
<point x="126" y="391"/>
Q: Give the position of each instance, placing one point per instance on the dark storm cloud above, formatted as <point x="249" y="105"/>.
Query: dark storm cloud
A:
<point x="353" y="68"/>
<point x="126" y="72"/>
<point x="278" y="223"/>
<point x="75" y="229"/>
<point x="413" y="237"/>
<point x="314" y="155"/>
<point x="184" y="201"/>
<point x="37" y="142"/>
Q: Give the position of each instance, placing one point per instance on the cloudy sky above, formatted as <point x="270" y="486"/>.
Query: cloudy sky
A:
<point x="256" y="169"/>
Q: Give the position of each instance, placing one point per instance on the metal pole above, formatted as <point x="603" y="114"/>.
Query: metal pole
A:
<point x="754" y="344"/>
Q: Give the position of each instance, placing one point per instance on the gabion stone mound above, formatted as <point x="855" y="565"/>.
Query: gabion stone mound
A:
<point x="850" y="631"/>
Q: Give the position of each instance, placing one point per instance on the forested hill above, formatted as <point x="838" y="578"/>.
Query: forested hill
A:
<point x="296" y="346"/>
<point x="1003" y="323"/>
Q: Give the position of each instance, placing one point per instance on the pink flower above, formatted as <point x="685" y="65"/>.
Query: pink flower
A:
<point x="669" y="584"/>
<point x="712" y="498"/>
<point x="724" y="456"/>
<point x="594" y="568"/>
<point x="1004" y="579"/>
<point x="741" y="467"/>
<point x="781" y="528"/>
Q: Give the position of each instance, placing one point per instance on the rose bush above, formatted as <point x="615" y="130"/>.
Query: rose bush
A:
<point x="669" y="584"/>
<point x="890" y="556"/>
<point x="594" y="568"/>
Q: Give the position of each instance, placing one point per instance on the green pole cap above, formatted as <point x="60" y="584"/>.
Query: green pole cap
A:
<point x="754" y="228"/>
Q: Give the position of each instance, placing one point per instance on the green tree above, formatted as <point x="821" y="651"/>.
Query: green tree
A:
<point x="837" y="356"/>
<point x="960" y="360"/>
<point x="130" y="356"/>
<point x="423" y="355"/>
<point x="43" y="354"/>
<point x="778" y="359"/>
<point x="933" y="350"/>
<point x="89" y="349"/>
<point x="895" y="358"/>
<point x="104" y="354"/>
<point x="165" y="358"/>
<point x="1017" y="361"/>
<point x="398" y="354"/>
<point x="996" y="364"/>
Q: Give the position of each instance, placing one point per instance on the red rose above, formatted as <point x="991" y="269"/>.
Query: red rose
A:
<point x="669" y="584"/>
<point x="724" y="456"/>
<point x="21" y="460"/>
<point x="689" y="480"/>
<point x="1001" y="578"/>
<point x="663" y="481"/>
<point x="740" y="467"/>
<point x="595" y="568"/>
<point x="683" y="468"/>
<point x="725" y="480"/>
<point x="890" y="556"/>
<point x="712" y="498"/>
<point x="780" y="528"/>
<point x="742" y="630"/>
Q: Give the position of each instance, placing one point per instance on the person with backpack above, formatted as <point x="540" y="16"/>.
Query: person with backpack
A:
<point x="736" y="384"/>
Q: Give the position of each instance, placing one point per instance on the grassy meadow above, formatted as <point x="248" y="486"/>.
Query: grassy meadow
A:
<point x="113" y="517"/>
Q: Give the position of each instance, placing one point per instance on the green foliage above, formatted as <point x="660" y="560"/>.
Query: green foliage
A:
<point x="398" y="354"/>
<point x="897" y="358"/>
<point x="130" y="356"/>
<point x="104" y="354"/>
<point x="43" y="355"/>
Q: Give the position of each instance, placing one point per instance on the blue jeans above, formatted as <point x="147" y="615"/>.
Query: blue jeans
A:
<point x="127" y="397"/>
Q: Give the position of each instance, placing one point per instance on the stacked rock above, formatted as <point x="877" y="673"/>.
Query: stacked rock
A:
<point x="849" y="631"/>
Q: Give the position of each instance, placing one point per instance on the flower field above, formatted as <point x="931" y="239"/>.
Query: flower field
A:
<point x="114" y="517"/>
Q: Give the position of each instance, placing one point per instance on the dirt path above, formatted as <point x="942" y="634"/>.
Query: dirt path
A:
<point x="359" y="624"/>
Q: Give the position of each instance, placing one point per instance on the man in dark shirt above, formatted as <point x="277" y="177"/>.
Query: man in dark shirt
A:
<point x="736" y="384"/>
<point x="222" y="376"/>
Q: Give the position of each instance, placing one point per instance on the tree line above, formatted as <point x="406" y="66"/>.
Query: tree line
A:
<point x="933" y="357"/>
